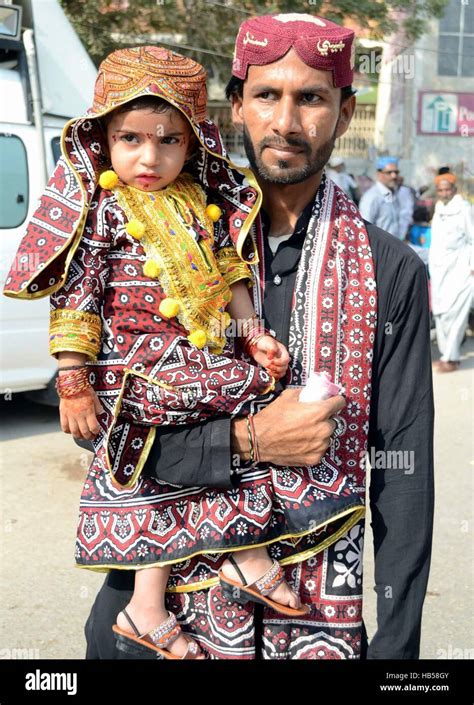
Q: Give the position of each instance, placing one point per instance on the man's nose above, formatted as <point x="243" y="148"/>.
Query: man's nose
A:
<point x="285" y="118"/>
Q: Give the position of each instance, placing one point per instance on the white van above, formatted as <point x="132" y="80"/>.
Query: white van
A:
<point x="37" y="96"/>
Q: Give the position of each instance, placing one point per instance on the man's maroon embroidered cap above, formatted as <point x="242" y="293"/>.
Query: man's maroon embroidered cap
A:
<point x="318" y="42"/>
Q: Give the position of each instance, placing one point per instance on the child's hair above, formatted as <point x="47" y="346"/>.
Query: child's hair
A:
<point x="144" y="102"/>
<point x="421" y="215"/>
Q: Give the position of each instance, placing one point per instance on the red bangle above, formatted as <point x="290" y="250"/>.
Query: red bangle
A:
<point x="71" y="367"/>
<point x="73" y="383"/>
<point x="252" y="336"/>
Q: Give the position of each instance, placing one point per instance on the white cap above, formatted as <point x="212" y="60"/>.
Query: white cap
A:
<point x="336" y="161"/>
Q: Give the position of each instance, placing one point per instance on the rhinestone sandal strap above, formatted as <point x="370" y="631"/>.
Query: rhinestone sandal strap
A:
<point x="274" y="577"/>
<point x="166" y="633"/>
<point x="192" y="650"/>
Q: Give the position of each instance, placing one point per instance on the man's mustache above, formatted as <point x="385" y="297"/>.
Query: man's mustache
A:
<point x="283" y="144"/>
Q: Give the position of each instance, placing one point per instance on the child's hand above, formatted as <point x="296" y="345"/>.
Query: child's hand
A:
<point x="272" y="355"/>
<point x="78" y="414"/>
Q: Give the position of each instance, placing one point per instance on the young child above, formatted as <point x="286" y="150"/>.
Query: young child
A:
<point x="142" y="241"/>
<point x="419" y="234"/>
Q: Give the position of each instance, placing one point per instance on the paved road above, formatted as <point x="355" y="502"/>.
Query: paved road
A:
<point x="46" y="599"/>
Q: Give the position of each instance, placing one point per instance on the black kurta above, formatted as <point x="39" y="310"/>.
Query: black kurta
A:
<point x="401" y="419"/>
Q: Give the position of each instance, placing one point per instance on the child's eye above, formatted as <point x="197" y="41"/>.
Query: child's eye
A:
<point x="170" y="140"/>
<point x="130" y="138"/>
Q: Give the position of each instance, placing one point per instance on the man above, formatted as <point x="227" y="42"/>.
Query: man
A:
<point x="321" y="287"/>
<point x="451" y="265"/>
<point x="337" y="172"/>
<point x="380" y="205"/>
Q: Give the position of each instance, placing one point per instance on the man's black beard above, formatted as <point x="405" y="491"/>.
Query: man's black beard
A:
<point x="315" y="164"/>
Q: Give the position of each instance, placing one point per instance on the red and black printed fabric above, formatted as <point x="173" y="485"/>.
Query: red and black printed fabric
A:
<point x="332" y="328"/>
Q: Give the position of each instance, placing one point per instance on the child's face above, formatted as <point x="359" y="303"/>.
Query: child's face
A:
<point x="148" y="149"/>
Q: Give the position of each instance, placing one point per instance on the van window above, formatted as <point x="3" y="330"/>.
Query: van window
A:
<point x="56" y="148"/>
<point x="13" y="181"/>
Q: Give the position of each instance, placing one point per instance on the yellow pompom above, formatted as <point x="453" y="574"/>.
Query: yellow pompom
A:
<point x="226" y="319"/>
<point x="135" y="228"/>
<point x="198" y="338"/>
<point x="108" y="179"/>
<point x="214" y="212"/>
<point x="151" y="268"/>
<point x="169" y="308"/>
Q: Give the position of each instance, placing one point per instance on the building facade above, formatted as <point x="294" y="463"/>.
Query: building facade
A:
<point x="425" y="107"/>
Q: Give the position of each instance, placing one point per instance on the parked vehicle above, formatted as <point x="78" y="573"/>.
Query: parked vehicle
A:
<point x="39" y="91"/>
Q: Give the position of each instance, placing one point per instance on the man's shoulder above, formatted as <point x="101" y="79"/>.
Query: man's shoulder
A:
<point x="391" y="253"/>
<point x="372" y="191"/>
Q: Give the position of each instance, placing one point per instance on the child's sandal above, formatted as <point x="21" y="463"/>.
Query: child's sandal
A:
<point x="160" y="638"/>
<point x="259" y="590"/>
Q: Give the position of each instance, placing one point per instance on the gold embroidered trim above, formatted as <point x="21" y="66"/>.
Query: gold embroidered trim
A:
<point x="354" y="514"/>
<point x="231" y="266"/>
<point x="188" y="266"/>
<point x="74" y="331"/>
<point x="151" y="434"/>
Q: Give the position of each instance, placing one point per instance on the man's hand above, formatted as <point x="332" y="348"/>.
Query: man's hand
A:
<point x="290" y="432"/>
<point x="78" y="414"/>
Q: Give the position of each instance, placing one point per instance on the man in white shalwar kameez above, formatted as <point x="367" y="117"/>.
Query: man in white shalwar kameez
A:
<point x="451" y="264"/>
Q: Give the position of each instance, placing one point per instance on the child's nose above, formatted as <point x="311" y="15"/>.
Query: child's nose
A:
<point x="150" y="155"/>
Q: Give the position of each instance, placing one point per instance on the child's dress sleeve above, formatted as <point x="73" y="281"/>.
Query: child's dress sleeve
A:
<point x="75" y="315"/>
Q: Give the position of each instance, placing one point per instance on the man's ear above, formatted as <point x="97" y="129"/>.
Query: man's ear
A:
<point x="237" y="110"/>
<point x="345" y="115"/>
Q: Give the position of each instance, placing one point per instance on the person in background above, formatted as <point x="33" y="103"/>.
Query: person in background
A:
<point x="451" y="264"/>
<point x="337" y="172"/>
<point x="406" y="199"/>
<point x="426" y="193"/>
<point x="380" y="205"/>
<point x="419" y="234"/>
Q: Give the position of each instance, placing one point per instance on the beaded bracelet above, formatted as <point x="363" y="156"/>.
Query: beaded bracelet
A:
<point x="73" y="383"/>
<point x="254" y="438"/>
<point x="253" y="445"/>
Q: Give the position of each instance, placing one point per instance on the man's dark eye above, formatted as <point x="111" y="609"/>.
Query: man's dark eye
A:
<point x="310" y="97"/>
